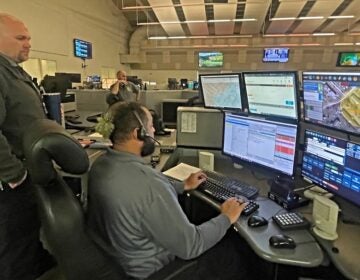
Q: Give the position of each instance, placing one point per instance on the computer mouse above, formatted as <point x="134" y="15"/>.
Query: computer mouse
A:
<point x="257" y="221"/>
<point x="282" y="241"/>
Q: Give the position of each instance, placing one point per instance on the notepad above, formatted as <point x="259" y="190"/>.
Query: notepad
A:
<point x="181" y="171"/>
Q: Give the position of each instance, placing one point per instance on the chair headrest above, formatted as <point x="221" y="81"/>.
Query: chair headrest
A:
<point x="46" y="141"/>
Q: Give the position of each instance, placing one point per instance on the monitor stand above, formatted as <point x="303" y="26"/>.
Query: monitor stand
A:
<point x="350" y="214"/>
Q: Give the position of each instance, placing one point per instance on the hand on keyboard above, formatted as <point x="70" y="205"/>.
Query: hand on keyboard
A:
<point x="194" y="180"/>
<point x="232" y="208"/>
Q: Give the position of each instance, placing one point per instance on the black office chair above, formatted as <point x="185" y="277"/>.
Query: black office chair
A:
<point x="62" y="216"/>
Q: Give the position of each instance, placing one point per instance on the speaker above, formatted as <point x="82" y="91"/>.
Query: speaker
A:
<point x="206" y="161"/>
<point x="325" y="214"/>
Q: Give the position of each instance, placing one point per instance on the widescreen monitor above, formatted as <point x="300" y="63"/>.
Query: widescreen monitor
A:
<point x="348" y="59"/>
<point x="82" y="49"/>
<point x="221" y="91"/>
<point x="267" y="143"/>
<point x="332" y="99"/>
<point x="272" y="93"/>
<point x="211" y="59"/>
<point x="276" y="55"/>
<point x="333" y="164"/>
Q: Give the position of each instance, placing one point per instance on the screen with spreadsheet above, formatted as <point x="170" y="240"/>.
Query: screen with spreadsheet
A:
<point x="267" y="143"/>
<point x="221" y="91"/>
<point x="333" y="164"/>
<point x="272" y="93"/>
<point x="333" y="99"/>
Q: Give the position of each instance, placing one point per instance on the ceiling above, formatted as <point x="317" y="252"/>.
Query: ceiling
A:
<point x="243" y="18"/>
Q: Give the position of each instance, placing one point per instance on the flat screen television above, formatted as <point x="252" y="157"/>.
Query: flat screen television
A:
<point x="276" y="55"/>
<point x="82" y="49"/>
<point x="221" y="91"/>
<point x="267" y="143"/>
<point x="333" y="164"/>
<point x="211" y="59"/>
<point x="348" y="59"/>
<point x="272" y="94"/>
<point x="332" y="99"/>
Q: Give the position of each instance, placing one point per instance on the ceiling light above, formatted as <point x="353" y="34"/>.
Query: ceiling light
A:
<point x="198" y="37"/>
<point x="323" y="34"/>
<point x="310" y="44"/>
<point x="283" y="18"/>
<point x="340" y="17"/>
<point x="219" y="20"/>
<point x="343" y="44"/>
<point x="305" y="18"/>
<point x="245" y="19"/>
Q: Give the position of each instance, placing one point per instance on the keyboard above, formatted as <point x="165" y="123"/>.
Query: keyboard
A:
<point x="236" y="186"/>
<point x="291" y="220"/>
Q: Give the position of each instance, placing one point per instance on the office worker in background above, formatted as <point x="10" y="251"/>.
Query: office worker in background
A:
<point x="21" y="253"/>
<point x="123" y="90"/>
<point x="134" y="214"/>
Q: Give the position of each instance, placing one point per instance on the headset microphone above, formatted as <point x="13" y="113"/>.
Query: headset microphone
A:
<point x="142" y="133"/>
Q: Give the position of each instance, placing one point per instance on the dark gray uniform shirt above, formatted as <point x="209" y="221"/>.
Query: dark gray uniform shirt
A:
<point x="126" y="93"/>
<point x="134" y="215"/>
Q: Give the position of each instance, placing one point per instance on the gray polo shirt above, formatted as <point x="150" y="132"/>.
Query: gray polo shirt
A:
<point x="134" y="215"/>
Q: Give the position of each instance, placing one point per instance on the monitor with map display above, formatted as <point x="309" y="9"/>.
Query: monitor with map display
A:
<point x="221" y="91"/>
<point x="272" y="94"/>
<point x="332" y="99"/>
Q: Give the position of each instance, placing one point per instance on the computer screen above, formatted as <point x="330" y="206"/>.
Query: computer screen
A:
<point x="333" y="99"/>
<point x="74" y="77"/>
<point x="221" y="91"/>
<point x="82" y="49"/>
<point x="272" y="93"/>
<point x="169" y="111"/>
<point x="348" y="59"/>
<point x="267" y="143"/>
<point x="276" y="55"/>
<point x="333" y="164"/>
<point x="211" y="59"/>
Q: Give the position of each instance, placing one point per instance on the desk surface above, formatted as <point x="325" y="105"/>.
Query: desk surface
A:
<point x="308" y="253"/>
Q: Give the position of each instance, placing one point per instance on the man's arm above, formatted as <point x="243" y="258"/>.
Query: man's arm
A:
<point x="136" y="90"/>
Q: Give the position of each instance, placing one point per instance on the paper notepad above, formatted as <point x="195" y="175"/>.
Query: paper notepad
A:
<point x="181" y="171"/>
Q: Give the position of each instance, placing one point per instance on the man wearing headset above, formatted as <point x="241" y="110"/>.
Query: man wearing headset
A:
<point x="134" y="214"/>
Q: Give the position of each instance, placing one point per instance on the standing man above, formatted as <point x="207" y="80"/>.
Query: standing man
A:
<point x="22" y="256"/>
<point x="134" y="214"/>
<point x="123" y="90"/>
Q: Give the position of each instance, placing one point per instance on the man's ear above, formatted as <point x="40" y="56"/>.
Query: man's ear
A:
<point x="134" y="133"/>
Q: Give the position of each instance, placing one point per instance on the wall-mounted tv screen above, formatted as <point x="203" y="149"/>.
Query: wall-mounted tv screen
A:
<point x="332" y="99"/>
<point x="276" y="55"/>
<point x="211" y="59"/>
<point x="348" y="59"/>
<point x="82" y="49"/>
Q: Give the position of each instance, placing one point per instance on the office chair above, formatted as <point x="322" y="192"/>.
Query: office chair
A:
<point x="62" y="217"/>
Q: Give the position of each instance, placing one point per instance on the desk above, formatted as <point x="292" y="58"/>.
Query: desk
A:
<point x="82" y="118"/>
<point x="346" y="260"/>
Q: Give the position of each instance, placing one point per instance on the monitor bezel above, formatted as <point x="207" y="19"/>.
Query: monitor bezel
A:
<point x="347" y="66"/>
<point x="303" y="99"/>
<point x="210" y="67"/>
<point x="278" y="60"/>
<point x="273" y="116"/>
<point x="315" y="183"/>
<point x="88" y="44"/>
<point x="273" y="171"/>
<point x="219" y="107"/>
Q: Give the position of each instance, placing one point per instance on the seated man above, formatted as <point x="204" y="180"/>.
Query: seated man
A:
<point x="134" y="214"/>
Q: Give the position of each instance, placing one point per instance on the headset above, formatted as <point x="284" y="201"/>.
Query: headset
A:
<point x="141" y="133"/>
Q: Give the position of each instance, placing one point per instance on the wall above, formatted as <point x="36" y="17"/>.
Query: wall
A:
<point x="54" y="24"/>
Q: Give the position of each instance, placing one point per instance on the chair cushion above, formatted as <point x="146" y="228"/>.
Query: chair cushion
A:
<point x="44" y="141"/>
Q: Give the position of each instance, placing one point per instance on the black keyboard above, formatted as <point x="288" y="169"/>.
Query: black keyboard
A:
<point x="236" y="186"/>
<point x="291" y="220"/>
<point x="221" y="193"/>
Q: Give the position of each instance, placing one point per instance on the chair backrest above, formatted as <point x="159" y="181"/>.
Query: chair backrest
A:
<point x="62" y="216"/>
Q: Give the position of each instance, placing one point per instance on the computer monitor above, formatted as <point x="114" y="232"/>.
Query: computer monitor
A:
<point x="169" y="111"/>
<point x="333" y="164"/>
<point x="266" y="143"/>
<point x="332" y="99"/>
<point x="272" y="94"/>
<point x="60" y="83"/>
<point x="221" y="91"/>
<point x="74" y="77"/>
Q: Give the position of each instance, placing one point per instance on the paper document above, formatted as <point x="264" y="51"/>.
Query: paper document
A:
<point x="181" y="171"/>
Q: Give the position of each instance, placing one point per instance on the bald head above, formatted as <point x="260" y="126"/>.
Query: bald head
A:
<point x="14" y="38"/>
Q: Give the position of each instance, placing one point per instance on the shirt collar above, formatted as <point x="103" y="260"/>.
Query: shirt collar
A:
<point x="10" y="60"/>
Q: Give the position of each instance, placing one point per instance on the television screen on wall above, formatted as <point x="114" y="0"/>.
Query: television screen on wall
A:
<point x="211" y="59"/>
<point x="276" y="55"/>
<point x="82" y="49"/>
<point x="348" y="59"/>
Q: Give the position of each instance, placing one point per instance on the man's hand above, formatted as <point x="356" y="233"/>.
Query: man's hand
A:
<point x="232" y="208"/>
<point x="194" y="180"/>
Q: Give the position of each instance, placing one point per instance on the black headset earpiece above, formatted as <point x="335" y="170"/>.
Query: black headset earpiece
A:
<point x="141" y="132"/>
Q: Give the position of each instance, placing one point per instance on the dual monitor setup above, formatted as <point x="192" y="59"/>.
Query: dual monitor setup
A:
<point x="261" y="124"/>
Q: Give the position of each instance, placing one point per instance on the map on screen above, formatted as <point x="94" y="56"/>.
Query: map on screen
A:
<point x="221" y="91"/>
